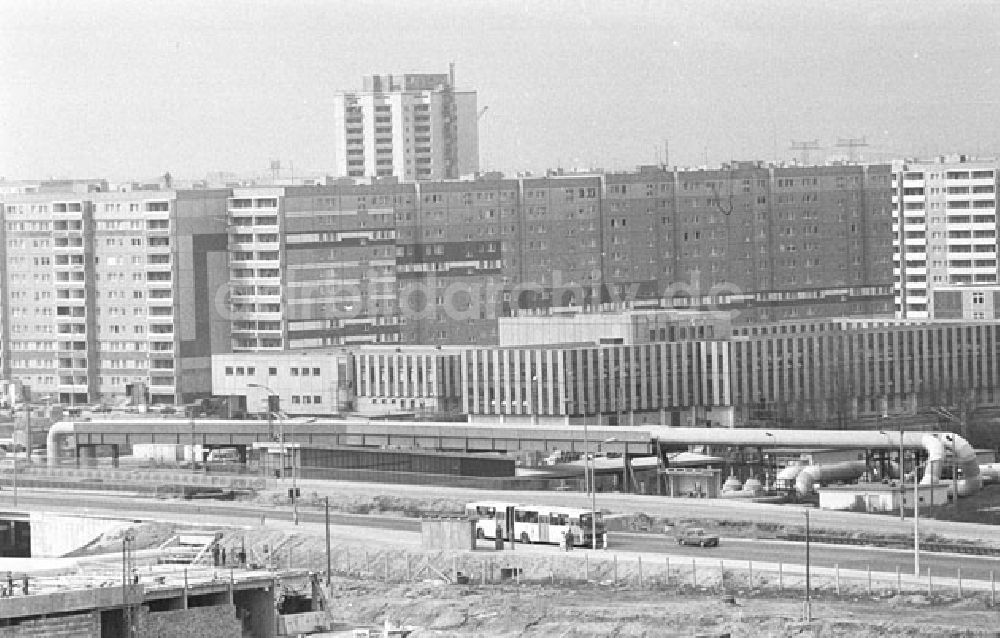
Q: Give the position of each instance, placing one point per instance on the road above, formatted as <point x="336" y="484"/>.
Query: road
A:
<point x="758" y="550"/>
<point x="820" y="555"/>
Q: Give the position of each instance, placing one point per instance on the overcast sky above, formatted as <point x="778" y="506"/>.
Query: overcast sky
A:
<point x="92" y="88"/>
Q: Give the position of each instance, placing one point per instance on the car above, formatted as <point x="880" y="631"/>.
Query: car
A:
<point x="697" y="536"/>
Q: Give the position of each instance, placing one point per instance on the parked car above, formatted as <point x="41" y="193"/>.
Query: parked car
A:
<point x="697" y="536"/>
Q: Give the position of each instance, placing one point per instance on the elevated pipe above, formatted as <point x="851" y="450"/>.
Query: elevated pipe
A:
<point x="55" y="441"/>
<point x="826" y="472"/>
<point x="962" y="456"/>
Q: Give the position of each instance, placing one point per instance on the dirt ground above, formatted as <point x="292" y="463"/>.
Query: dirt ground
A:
<point x="434" y="607"/>
<point x="438" y="609"/>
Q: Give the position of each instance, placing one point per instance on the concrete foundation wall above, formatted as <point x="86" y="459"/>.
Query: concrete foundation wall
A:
<point x="72" y="626"/>
<point x="53" y="536"/>
<point x="218" y="621"/>
<point x="65" y="601"/>
<point x="255" y="609"/>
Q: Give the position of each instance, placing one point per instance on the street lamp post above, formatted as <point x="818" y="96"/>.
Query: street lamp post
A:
<point x="902" y="483"/>
<point x="954" y="471"/>
<point x="954" y="452"/>
<point x="295" y="483"/>
<point x="283" y="458"/>
<point x="593" y="489"/>
<point x="916" y="517"/>
<point x="808" y="582"/>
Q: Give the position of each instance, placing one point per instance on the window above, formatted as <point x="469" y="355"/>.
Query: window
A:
<point x="317" y="399"/>
<point x="294" y="372"/>
<point x="978" y="297"/>
<point x="315" y="372"/>
<point x="229" y="371"/>
<point x="272" y="372"/>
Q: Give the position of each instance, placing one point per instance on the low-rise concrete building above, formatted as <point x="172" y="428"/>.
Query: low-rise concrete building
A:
<point x="880" y="497"/>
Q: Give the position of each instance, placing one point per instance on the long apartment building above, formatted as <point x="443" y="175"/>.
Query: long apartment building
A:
<point x="945" y="226"/>
<point x="413" y="126"/>
<point x="124" y="287"/>
<point x="439" y="262"/>
<point x="106" y="289"/>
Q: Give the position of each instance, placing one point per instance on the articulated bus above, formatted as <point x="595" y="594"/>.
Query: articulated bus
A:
<point x="535" y="523"/>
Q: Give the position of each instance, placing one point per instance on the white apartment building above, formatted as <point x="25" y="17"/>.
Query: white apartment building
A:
<point x="414" y="127"/>
<point x="945" y="229"/>
<point x="107" y="289"/>
<point x="255" y="268"/>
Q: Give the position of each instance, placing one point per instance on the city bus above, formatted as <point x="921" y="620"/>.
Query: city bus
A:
<point x="536" y="523"/>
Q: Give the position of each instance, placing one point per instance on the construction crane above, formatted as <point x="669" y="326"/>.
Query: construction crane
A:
<point x="851" y="143"/>
<point x="805" y="148"/>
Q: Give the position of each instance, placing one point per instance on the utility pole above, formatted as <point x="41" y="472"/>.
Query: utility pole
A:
<point x="128" y="566"/>
<point x="916" y="518"/>
<point x="808" y="582"/>
<point x="902" y="483"/>
<point x="328" y="564"/>
<point x="27" y="424"/>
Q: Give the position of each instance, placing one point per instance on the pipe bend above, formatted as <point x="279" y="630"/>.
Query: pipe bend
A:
<point x="58" y="432"/>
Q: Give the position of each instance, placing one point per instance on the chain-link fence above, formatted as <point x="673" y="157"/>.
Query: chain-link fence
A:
<point x="613" y="570"/>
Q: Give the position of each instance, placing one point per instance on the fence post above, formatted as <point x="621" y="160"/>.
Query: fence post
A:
<point x="836" y="573"/>
<point x="959" y="582"/>
<point x="640" y="572"/>
<point x="781" y="583"/>
<point x="366" y="562"/>
<point x="484" y="572"/>
<point x="694" y="573"/>
<point x="993" y="590"/>
<point x="668" y="571"/>
<point x="517" y="570"/>
<point x="409" y="577"/>
<point x="869" y="579"/>
<point x="899" y="582"/>
<point x="616" y="570"/>
<point x="750" y="578"/>
<point x="930" y="586"/>
<point x="722" y="575"/>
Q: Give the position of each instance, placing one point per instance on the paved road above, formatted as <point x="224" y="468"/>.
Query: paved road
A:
<point x="820" y="555"/>
<point x="762" y="551"/>
<point x="123" y="505"/>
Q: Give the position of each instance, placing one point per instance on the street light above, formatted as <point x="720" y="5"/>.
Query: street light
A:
<point x="281" y="445"/>
<point x="808" y="583"/>
<point x="902" y="482"/>
<point x="916" y="515"/>
<point x="593" y="487"/>
<point x="295" y="471"/>
<point x="954" y="452"/>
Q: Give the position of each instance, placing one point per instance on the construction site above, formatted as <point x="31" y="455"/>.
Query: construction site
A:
<point x="400" y="562"/>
